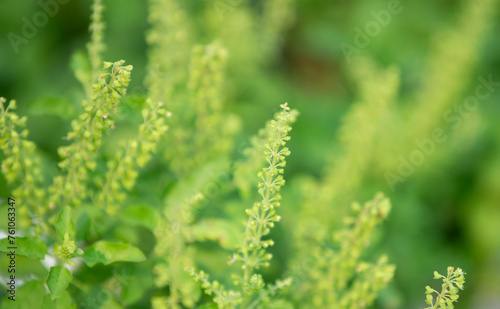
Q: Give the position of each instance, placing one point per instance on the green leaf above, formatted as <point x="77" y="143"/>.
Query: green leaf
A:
<point x="30" y="267"/>
<point x="82" y="226"/>
<point x="190" y="290"/>
<point x="31" y="247"/>
<point x="208" y="306"/>
<point x="81" y="67"/>
<point x="90" y="222"/>
<point x="106" y="253"/>
<point x="135" y="280"/>
<point x="58" y="280"/>
<point x="52" y="106"/>
<point x="141" y="215"/>
<point x="97" y="298"/>
<point x="224" y="232"/>
<point x="64" y="224"/>
<point x="211" y="180"/>
<point x="278" y="304"/>
<point x="28" y="296"/>
<point x="62" y="302"/>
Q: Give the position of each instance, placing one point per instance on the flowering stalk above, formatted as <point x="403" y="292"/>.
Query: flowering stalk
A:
<point x="96" y="45"/>
<point x="214" y="127"/>
<point x="371" y="278"/>
<point x="346" y="172"/>
<point x="328" y="203"/>
<point x="262" y="215"/>
<point x="246" y="169"/>
<point x="454" y="55"/>
<point x="340" y="279"/>
<point x="203" y="124"/>
<point x="122" y="171"/>
<point x="355" y="237"/>
<point x="170" y="41"/>
<point x="68" y="189"/>
<point x="22" y="167"/>
<point x="223" y="298"/>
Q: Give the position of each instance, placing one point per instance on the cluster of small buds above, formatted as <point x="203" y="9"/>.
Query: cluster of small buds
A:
<point x="221" y="296"/>
<point x="255" y="284"/>
<point x="87" y="134"/>
<point x="21" y="166"/>
<point x="96" y="46"/>
<point x="246" y="169"/>
<point x="267" y="243"/>
<point x="452" y="283"/>
<point x="123" y="170"/>
<point x="161" y="273"/>
<point x="370" y="278"/>
<point x="354" y="237"/>
<point x="67" y="250"/>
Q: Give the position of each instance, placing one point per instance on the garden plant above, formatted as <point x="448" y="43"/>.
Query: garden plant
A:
<point x="166" y="194"/>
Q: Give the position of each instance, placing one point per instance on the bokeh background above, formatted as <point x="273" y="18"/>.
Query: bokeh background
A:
<point x="446" y="213"/>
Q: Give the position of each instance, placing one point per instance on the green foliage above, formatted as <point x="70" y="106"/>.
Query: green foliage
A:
<point x="58" y="280"/>
<point x="106" y="253"/>
<point x="141" y="216"/>
<point x="141" y="209"/>
<point x="64" y="225"/>
<point x="173" y="234"/>
<point x="33" y="292"/>
<point x="448" y="61"/>
<point x="31" y="247"/>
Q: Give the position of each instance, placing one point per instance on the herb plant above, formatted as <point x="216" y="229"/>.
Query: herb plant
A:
<point x="452" y="283"/>
<point x="186" y="213"/>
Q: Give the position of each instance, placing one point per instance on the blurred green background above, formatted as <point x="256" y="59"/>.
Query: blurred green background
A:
<point x="448" y="213"/>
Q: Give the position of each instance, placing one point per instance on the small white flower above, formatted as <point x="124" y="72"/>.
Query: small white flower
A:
<point x="285" y="106"/>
